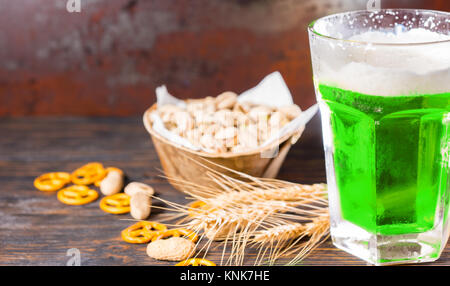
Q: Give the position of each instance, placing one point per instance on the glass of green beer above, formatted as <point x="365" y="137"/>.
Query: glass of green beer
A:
<point x="382" y="80"/>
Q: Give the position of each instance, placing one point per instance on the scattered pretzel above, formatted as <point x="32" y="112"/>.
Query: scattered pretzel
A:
<point x="116" y="204"/>
<point x="77" y="195"/>
<point x="196" y="207"/>
<point x="199" y="207"/>
<point x="51" y="181"/>
<point x="142" y="232"/>
<point x="88" y="174"/>
<point x="196" y="262"/>
<point x="191" y="235"/>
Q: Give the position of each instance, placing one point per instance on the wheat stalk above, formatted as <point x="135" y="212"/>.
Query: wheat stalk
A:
<point x="244" y="193"/>
<point x="273" y="215"/>
<point x="238" y="224"/>
<point x="318" y="232"/>
<point x="296" y="194"/>
<point x="281" y="233"/>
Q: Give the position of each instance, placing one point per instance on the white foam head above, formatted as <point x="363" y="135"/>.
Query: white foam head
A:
<point x="370" y="65"/>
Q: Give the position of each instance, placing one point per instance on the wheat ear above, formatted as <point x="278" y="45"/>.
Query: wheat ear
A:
<point x="241" y="207"/>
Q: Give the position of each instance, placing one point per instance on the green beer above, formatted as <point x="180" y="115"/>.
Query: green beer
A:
<point x="388" y="159"/>
<point x="382" y="81"/>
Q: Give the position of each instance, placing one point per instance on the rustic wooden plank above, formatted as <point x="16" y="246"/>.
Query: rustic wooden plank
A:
<point x="36" y="229"/>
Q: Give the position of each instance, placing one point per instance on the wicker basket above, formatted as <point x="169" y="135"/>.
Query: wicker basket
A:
<point x="176" y="163"/>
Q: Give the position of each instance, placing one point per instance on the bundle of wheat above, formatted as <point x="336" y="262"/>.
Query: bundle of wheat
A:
<point x="275" y="217"/>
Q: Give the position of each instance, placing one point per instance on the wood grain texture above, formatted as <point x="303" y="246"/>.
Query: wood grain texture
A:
<point x="108" y="59"/>
<point x="36" y="229"/>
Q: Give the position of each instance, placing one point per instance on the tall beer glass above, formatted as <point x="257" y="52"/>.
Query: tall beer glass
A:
<point x="382" y="80"/>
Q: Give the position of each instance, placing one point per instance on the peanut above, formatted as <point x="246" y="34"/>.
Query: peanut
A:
<point x="167" y="112"/>
<point x="259" y="113"/>
<point x="224" y="117"/>
<point x="243" y="107"/>
<point x="135" y="187"/>
<point x="207" y="141"/>
<point x="241" y="119"/>
<point x="193" y="135"/>
<point x="141" y="199"/>
<point x="140" y="205"/>
<point x="183" y="121"/>
<point x="291" y="111"/>
<point x="221" y="124"/>
<point x="226" y="100"/>
<point x="248" y="137"/>
<point x="171" y="249"/>
<point x="277" y="120"/>
<point x="112" y="183"/>
<point x="207" y="105"/>
<point x="226" y="133"/>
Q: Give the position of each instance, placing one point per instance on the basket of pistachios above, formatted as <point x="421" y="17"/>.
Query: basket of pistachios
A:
<point x="243" y="135"/>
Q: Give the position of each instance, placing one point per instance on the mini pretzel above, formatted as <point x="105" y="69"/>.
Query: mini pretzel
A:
<point x="196" y="262"/>
<point x="142" y="232"/>
<point x="88" y="174"/>
<point x="191" y="235"/>
<point x="116" y="204"/>
<point x="198" y="208"/>
<point x="107" y="170"/>
<point x="77" y="195"/>
<point x="51" y="181"/>
<point x="195" y="207"/>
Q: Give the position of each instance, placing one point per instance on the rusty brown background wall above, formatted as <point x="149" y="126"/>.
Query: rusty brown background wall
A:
<point x="108" y="59"/>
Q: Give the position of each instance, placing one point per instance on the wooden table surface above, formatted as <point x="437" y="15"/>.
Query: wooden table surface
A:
<point x="36" y="229"/>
